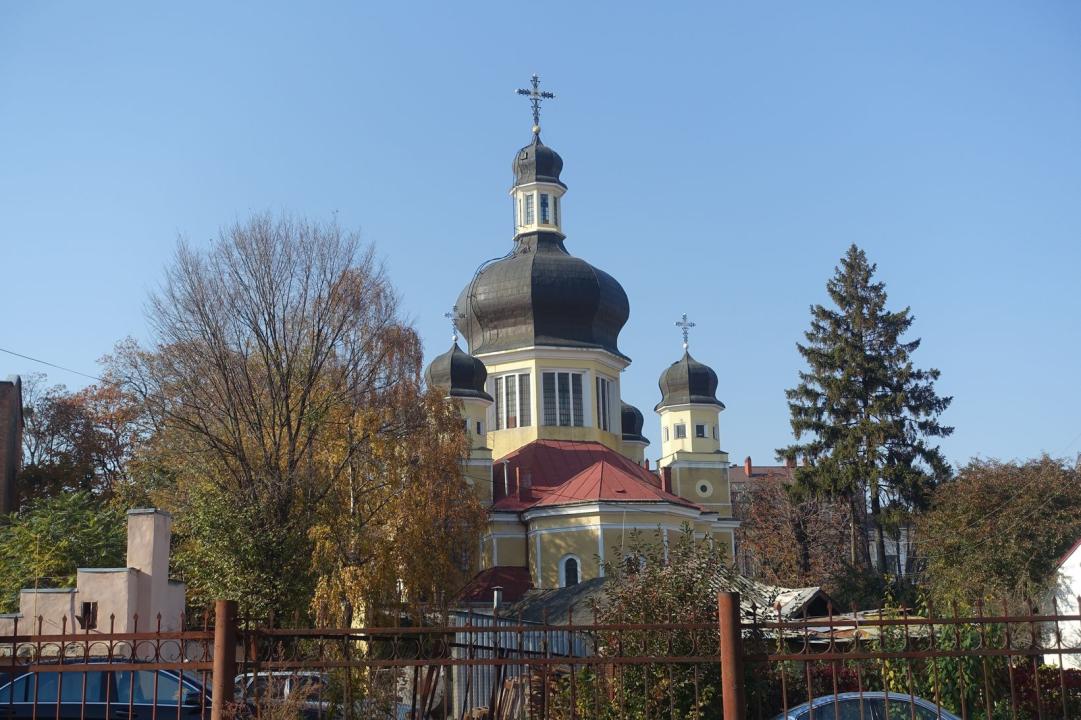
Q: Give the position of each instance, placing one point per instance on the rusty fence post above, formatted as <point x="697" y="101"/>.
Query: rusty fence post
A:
<point x="222" y="685"/>
<point x="731" y="656"/>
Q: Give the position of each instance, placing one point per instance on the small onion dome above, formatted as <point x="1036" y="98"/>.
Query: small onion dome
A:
<point x="541" y="295"/>
<point x="537" y="162"/>
<point x="688" y="382"/>
<point x="458" y="374"/>
<point x="632" y="423"/>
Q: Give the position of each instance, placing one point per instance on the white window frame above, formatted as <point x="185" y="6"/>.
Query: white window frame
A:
<point x="585" y="398"/>
<point x="563" y="569"/>
<point x="499" y="407"/>
<point x="705" y="430"/>
<point x="606" y="416"/>
<point x="676" y="430"/>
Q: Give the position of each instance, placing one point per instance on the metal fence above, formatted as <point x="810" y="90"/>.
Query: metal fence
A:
<point x="427" y="664"/>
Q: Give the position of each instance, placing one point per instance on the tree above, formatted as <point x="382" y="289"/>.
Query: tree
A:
<point x="790" y="539"/>
<point x="280" y="379"/>
<point x="998" y="529"/>
<point x="862" y="414"/>
<point x="50" y="537"/>
<point x="75" y="441"/>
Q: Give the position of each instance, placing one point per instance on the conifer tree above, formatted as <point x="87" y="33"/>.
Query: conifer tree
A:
<point x="863" y="416"/>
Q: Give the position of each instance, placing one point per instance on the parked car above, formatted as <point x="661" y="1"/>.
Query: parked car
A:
<point x="867" y="706"/>
<point x="104" y="695"/>
<point x="277" y="686"/>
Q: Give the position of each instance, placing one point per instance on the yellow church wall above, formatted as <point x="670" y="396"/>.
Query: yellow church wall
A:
<point x="556" y="546"/>
<point x="590" y="363"/>
<point x="689" y="483"/>
<point x="510" y="550"/>
<point x="689" y="416"/>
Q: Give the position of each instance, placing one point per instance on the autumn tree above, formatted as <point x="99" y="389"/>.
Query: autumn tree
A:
<point x="278" y="384"/>
<point x="864" y="417"/>
<point x="999" y="528"/>
<point x="75" y="441"/>
<point x="789" y="539"/>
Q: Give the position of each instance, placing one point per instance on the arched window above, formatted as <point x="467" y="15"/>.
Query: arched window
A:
<point x="570" y="573"/>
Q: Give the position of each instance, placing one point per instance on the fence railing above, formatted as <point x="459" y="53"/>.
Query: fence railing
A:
<point x="425" y="664"/>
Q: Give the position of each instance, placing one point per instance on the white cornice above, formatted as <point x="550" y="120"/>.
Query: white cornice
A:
<point x="690" y="406"/>
<point x="542" y="352"/>
<point x="611" y="507"/>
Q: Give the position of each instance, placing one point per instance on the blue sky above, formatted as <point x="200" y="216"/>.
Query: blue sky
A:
<point x="720" y="158"/>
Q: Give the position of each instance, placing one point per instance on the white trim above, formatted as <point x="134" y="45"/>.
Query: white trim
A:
<point x="546" y="352"/>
<point x="682" y="406"/>
<point x="620" y="507"/>
<point x="563" y="569"/>
<point x="495" y="551"/>
<point x="604" y="526"/>
<point x="712" y="464"/>
<point x="540" y="567"/>
<point x="600" y="550"/>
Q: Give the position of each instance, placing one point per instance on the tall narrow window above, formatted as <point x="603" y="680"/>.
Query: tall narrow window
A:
<point x="666" y="433"/>
<point x="524" y="399"/>
<point x="576" y="399"/>
<point x="529" y="209"/>
<point x="555" y="210"/>
<point x="604" y="404"/>
<point x="544" y="215"/>
<point x="512" y="402"/>
<point x="564" y="396"/>
<point x="549" y="381"/>
<point x="499" y="403"/>
<point x="570" y="571"/>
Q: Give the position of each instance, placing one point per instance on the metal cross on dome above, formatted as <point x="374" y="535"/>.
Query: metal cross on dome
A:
<point x="685" y="325"/>
<point x="454" y="316"/>
<point x="536" y="95"/>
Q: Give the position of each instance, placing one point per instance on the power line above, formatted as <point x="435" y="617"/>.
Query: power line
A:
<point x="54" y="365"/>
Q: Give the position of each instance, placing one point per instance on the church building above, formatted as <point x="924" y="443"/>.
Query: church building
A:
<point x="557" y="455"/>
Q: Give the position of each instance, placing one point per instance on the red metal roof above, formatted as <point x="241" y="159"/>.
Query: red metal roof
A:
<point x="564" y="472"/>
<point x="515" y="582"/>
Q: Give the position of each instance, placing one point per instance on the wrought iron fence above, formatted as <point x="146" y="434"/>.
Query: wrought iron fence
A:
<point x="437" y="664"/>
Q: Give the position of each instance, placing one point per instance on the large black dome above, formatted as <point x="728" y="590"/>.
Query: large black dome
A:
<point x="542" y="295"/>
<point x="458" y="374"/>
<point x="688" y="381"/>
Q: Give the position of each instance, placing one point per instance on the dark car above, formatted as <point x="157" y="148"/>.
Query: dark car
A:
<point x="867" y="706"/>
<point x="105" y="695"/>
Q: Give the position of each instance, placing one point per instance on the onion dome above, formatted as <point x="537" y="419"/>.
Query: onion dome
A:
<point x="458" y="374"/>
<point x="687" y="382"/>
<point x="632" y="422"/>
<point x="541" y="295"/>
<point x="537" y="162"/>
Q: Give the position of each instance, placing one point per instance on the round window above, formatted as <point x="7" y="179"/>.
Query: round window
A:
<point x="704" y="488"/>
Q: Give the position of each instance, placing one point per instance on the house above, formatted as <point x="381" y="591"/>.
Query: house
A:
<point x="1063" y="597"/>
<point x="123" y="600"/>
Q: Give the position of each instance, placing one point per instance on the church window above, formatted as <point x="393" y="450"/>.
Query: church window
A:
<point x="570" y="571"/>
<point x="666" y="433"/>
<point x="512" y="401"/>
<point x="544" y="214"/>
<point x="555" y="210"/>
<point x="604" y="403"/>
<point x="562" y="393"/>
<point x="681" y="431"/>
<point x="714" y="432"/>
<point x="480" y="428"/>
<point x="529" y="209"/>
<point x="699" y="431"/>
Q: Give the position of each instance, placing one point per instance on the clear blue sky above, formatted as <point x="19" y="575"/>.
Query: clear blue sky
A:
<point x="755" y="141"/>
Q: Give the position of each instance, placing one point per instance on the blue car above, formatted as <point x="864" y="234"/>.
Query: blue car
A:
<point x="868" y="706"/>
<point x="104" y="695"/>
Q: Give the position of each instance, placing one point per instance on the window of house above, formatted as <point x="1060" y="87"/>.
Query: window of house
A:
<point x="699" y="431"/>
<point x="529" y="209"/>
<point x="666" y="433"/>
<point x="512" y="396"/>
<point x="562" y="398"/>
<point x="544" y="214"/>
<point x="681" y="431"/>
<point x="604" y="404"/>
<point x="570" y="571"/>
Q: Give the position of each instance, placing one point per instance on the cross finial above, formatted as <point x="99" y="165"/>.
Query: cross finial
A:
<point x="685" y="325"/>
<point x="454" y="316"/>
<point x="535" y="96"/>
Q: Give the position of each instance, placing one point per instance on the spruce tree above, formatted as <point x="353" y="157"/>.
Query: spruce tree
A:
<point x="862" y="415"/>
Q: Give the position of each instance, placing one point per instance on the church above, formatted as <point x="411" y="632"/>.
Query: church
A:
<point x="557" y="456"/>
